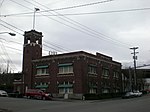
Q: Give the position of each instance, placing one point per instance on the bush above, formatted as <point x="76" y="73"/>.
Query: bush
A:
<point x="101" y="96"/>
<point x="91" y="96"/>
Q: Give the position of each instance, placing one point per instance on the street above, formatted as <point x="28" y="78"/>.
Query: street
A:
<point x="140" y="104"/>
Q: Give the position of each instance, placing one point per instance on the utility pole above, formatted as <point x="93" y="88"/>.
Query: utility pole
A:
<point x="134" y="58"/>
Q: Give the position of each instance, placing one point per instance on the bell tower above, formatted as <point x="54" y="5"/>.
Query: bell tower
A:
<point x="32" y="50"/>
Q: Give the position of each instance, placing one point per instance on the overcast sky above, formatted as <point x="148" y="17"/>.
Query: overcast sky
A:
<point x="110" y="27"/>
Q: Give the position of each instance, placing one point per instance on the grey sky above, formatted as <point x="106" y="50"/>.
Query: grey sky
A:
<point x="122" y="29"/>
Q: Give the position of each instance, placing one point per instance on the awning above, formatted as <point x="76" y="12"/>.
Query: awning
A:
<point x="66" y="64"/>
<point x="43" y="66"/>
<point x="41" y="86"/>
<point x="92" y="65"/>
<point x="65" y="86"/>
<point x="92" y="86"/>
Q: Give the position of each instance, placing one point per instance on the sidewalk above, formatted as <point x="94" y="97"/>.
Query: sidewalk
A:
<point x="79" y="100"/>
<point x="66" y="100"/>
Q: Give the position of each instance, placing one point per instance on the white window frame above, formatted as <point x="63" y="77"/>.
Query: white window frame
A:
<point x="105" y="72"/>
<point x="42" y="71"/>
<point x="65" y="69"/>
<point x="92" y="69"/>
<point x="116" y="74"/>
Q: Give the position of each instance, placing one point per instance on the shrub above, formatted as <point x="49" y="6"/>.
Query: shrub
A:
<point x="101" y="96"/>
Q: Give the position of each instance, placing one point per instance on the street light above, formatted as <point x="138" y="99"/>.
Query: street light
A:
<point x="11" y="34"/>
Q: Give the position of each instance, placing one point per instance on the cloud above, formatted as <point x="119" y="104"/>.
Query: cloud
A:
<point x="128" y="28"/>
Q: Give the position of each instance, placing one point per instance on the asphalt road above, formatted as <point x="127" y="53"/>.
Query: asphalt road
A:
<point x="141" y="104"/>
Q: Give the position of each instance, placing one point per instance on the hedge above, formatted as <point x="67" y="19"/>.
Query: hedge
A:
<point x="101" y="96"/>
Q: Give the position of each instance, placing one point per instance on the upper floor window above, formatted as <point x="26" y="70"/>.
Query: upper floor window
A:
<point x="28" y="41"/>
<point x="65" y="68"/>
<point x="37" y="41"/>
<point x="116" y="74"/>
<point x="92" y="69"/>
<point x="105" y="72"/>
<point x="42" y="70"/>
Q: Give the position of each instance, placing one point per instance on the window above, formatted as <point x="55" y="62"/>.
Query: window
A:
<point x="117" y="90"/>
<point x="65" y="68"/>
<point x="105" y="72"/>
<point x="105" y="90"/>
<point x="37" y="41"/>
<point x="61" y="91"/>
<point x="92" y="87"/>
<point x="65" y="90"/>
<point x="93" y="90"/>
<point x="116" y="74"/>
<point x="42" y="70"/>
<point x="65" y="87"/>
<point x="92" y="69"/>
<point x="28" y="41"/>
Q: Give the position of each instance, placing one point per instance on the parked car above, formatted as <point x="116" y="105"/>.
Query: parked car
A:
<point x="128" y="95"/>
<point x="132" y="94"/>
<point x="137" y="93"/>
<point x="3" y="93"/>
<point x="37" y="94"/>
<point x="146" y="91"/>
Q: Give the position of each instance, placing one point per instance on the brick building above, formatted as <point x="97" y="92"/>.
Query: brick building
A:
<point x="74" y="73"/>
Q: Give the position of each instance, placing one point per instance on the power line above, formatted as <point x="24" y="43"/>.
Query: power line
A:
<point x="105" y="12"/>
<point x="64" y="8"/>
<point x="57" y="46"/>
<point x="11" y="29"/>
<point x="6" y="54"/>
<point x="13" y="48"/>
<point x="51" y="18"/>
<point x="12" y="66"/>
<point x="84" y="28"/>
<point x="11" y="41"/>
<point x="85" y="32"/>
<point x="52" y="48"/>
<point x="11" y="25"/>
<point x="78" y="6"/>
<point x="82" y="13"/>
<point x="22" y="35"/>
<point x="145" y="65"/>
<point x="102" y="12"/>
<point x="3" y="47"/>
